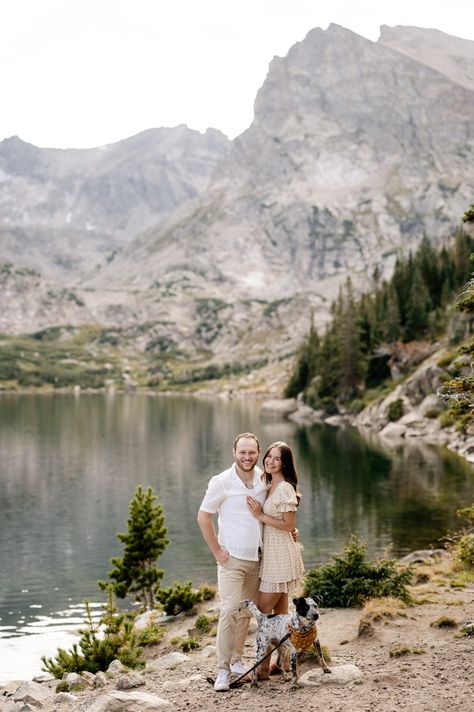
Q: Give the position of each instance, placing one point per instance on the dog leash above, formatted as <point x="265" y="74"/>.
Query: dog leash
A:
<point x="236" y="682"/>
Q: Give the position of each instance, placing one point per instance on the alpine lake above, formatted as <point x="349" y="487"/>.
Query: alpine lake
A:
<point x="69" y="466"/>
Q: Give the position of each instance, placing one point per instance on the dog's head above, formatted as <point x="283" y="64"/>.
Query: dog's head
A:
<point x="306" y="608"/>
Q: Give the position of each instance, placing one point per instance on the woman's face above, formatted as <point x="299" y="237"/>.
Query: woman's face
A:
<point x="272" y="462"/>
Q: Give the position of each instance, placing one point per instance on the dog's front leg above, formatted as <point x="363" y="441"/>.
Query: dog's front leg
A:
<point x="294" y="669"/>
<point x="320" y="656"/>
<point x="259" y="653"/>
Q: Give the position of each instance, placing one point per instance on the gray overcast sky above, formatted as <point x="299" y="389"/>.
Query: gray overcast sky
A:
<point x="79" y="73"/>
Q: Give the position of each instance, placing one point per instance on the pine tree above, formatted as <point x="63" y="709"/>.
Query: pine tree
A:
<point x="392" y="330"/>
<point x="306" y="366"/>
<point x="136" y="573"/>
<point x="460" y="391"/>
<point x="350" y="357"/>
<point x="419" y="305"/>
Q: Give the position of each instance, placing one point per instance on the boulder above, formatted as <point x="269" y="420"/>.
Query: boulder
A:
<point x="278" y="409"/>
<point x="129" y="680"/>
<point x="393" y="431"/>
<point x="115" y="668"/>
<point x="100" y="679"/>
<point x="147" y="619"/>
<point x="424" y="556"/>
<point x="64" y="697"/>
<point x="340" y="675"/>
<point x="126" y="702"/>
<point x="32" y="693"/>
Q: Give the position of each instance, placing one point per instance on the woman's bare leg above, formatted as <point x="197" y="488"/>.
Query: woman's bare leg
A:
<point x="282" y="604"/>
<point x="270" y="603"/>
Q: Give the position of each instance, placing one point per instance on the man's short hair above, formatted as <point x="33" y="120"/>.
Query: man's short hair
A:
<point x="251" y="436"/>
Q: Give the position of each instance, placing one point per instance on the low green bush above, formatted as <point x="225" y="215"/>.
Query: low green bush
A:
<point x="395" y="410"/>
<point x="350" y="579"/>
<point x="178" y="597"/>
<point x="446" y="419"/>
<point x="203" y="624"/>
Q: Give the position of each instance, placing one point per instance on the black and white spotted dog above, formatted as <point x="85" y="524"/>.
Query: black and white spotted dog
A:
<point x="303" y="634"/>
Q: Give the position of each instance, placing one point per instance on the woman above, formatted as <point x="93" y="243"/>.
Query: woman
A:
<point x="281" y="568"/>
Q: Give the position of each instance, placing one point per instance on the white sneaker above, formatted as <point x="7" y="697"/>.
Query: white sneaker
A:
<point x="238" y="668"/>
<point x="222" y="682"/>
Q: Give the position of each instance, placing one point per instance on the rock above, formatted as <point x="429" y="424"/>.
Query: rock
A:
<point x="431" y="402"/>
<point x="10" y="687"/>
<point x="393" y="431"/>
<point x="115" y="668"/>
<point x="166" y="662"/>
<point x="305" y="414"/>
<point x="75" y="682"/>
<point x="126" y="702"/>
<point x="340" y="675"/>
<point x="129" y="680"/>
<point x="278" y="409"/>
<point x="424" y="556"/>
<point x="336" y="420"/>
<point x="11" y="706"/>
<point x="147" y="619"/>
<point x="64" y="697"/>
<point x="43" y="678"/>
<point x="209" y="651"/>
<point x="88" y="677"/>
<point x="32" y="693"/>
<point x="100" y="679"/>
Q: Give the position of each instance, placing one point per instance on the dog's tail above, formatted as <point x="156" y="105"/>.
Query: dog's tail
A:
<point x="253" y="609"/>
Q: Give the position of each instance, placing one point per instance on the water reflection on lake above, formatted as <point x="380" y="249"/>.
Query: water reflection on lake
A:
<point x="69" y="467"/>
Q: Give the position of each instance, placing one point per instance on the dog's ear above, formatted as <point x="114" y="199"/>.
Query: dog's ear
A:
<point x="301" y="606"/>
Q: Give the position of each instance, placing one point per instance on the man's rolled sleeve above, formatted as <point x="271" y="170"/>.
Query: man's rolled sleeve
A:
<point x="215" y="495"/>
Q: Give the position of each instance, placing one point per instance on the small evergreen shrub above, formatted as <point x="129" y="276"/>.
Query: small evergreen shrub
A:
<point x="395" y="410"/>
<point x="208" y="593"/>
<point x="444" y="622"/>
<point x="465" y="549"/>
<point x="178" y="597"/>
<point x="466" y="630"/>
<point x="405" y="650"/>
<point x="350" y="579"/>
<point x="111" y="638"/>
<point x="203" y="624"/>
<point x="150" y="635"/>
<point x="185" y="644"/>
<point x="462" y="542"/>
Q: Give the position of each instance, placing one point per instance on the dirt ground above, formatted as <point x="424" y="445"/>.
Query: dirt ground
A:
<point x="439" y="678"/>
<point x="436" y="673"/>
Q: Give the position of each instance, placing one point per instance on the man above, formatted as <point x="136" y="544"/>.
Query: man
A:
<point x="236" y="549"/>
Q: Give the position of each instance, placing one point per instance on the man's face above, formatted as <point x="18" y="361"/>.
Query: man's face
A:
<point x="246" y="454"/>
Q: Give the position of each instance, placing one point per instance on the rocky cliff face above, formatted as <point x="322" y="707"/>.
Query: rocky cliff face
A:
<point x="356" y="151"/>
<point x="66" y="211"/>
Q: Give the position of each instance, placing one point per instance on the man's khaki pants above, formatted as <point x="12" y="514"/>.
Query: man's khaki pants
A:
<point x="237" y="580"/>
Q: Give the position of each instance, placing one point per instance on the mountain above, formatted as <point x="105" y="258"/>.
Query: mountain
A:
<point x="357" y="150"/>
<point x="65" y="211"/>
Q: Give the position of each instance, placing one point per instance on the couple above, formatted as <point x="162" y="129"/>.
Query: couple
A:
<point x="247" y="566"/>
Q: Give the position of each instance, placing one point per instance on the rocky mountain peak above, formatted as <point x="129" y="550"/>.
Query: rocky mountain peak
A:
<point x="358" y="149"/>
<point x="451" y="56"/>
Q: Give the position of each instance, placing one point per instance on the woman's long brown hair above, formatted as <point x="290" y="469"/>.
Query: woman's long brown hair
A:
<point x="288" y="466"/>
